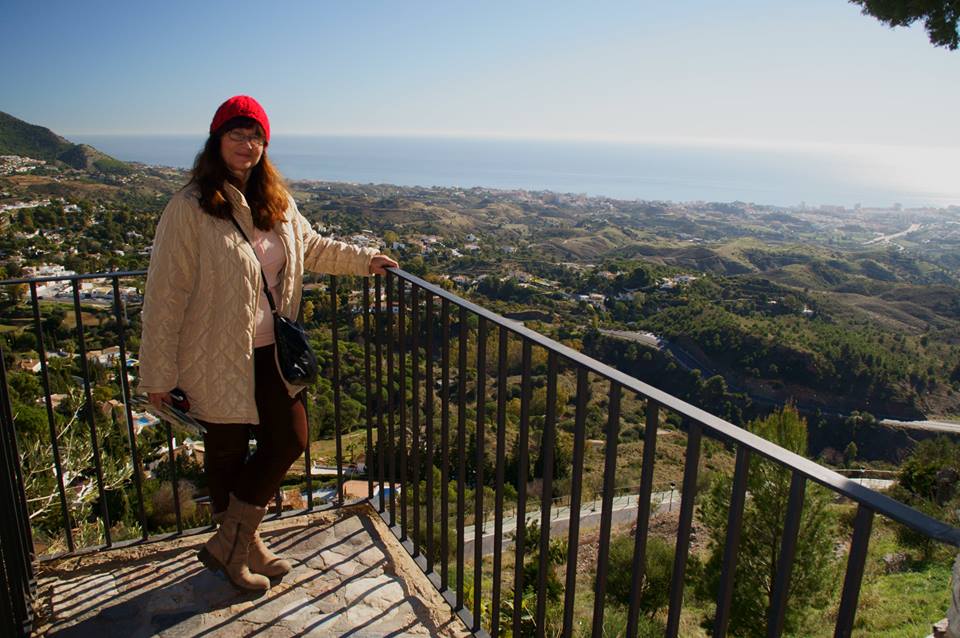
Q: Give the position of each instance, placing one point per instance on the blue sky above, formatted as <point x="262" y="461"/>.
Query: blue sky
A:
<point x="745" y="72"/>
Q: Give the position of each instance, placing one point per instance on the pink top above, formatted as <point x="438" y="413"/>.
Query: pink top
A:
<point x="269" y="249"/>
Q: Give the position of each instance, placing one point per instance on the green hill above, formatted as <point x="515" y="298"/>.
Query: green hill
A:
<point x="29" y="140"/>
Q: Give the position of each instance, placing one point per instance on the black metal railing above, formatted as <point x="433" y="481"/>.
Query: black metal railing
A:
<point x="408" y="360"/>
<point x="417" y="297"/>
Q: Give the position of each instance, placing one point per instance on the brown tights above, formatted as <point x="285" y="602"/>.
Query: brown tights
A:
<point x="281" y="439"/>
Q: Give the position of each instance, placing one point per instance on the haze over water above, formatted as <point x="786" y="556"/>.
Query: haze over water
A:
<point x="762" y="174"/>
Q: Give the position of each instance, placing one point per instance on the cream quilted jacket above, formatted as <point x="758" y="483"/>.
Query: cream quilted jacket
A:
<point x="202" y="292"/>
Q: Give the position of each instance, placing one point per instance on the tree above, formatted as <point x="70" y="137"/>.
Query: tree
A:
<point x="850" y="453"/>
<point x="918" y="474"/>
<point x="76" y="462"/>
<point x="939" y="17"/>
<point x="765" y="511"/>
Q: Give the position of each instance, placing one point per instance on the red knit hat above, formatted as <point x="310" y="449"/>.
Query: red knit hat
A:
<point x="241" y="106"/>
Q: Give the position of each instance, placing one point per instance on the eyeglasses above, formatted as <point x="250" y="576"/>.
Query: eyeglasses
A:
<point x="240" y="138"/>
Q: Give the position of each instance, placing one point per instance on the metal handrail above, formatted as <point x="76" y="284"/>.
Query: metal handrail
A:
<point x="80" y="277"/>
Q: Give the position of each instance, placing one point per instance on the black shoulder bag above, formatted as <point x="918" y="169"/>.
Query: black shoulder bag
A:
<point x="298" y="363"/>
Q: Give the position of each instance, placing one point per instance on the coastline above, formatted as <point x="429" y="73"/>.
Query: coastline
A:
<point x="784" y="178"/>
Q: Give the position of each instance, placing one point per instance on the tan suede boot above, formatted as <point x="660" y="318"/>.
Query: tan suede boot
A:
<point x="260" y="559"/>
<point x="229" y="549"/>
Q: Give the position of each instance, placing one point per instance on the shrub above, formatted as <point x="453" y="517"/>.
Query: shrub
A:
<point x="655" y="585"/>
<point x="161" y="511"/>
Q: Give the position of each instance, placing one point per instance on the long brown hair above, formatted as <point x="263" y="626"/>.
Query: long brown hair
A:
<point x="265" y="190"/>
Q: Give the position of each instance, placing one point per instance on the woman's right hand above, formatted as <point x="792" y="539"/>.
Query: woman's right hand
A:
<point x="157" y="399"/>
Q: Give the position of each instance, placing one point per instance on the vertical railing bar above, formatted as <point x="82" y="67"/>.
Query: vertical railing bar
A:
<point x="392" y="401"/>
<point x="390" y="345"/>
<point x="788" y="550"/>
<point x="415" y="411"/>
<point x="732" y="545"/>
<point x="307" y="462"/>
<point x="576" y="488"/>
<point x="125" y="389"/>
<point x="174" y="480"/>
<point x="368" y="404"/>
<point x="444" y="444"/>
<point x="51" y="419"/>
<point x="337" y="425"/>
<point x="643" y="513"/>
<point x="428" y="420"/>
<point x="26" y="532"/>
<point x="91" y="416"/>
<point x="501" y="475"/>
<point x="378" y="354"/>
<point x="461" y="448"/>
<point x="606" y="515"/>
<point x="478" y="475"/>
<point x="523" y="449"/>
<point x="547" y="447"/>
<point x="862" y="524"/>
<point x="16" y="537"/>
<point x="402" y="338"/>
<point x="694" y="435"/>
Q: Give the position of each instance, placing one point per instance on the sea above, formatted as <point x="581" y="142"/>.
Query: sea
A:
<point x="766" y="174"/>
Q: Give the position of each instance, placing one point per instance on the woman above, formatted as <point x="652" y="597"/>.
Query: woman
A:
<point x="208" y="329"/>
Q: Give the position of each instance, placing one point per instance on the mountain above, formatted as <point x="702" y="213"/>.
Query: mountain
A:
<point x="29" y="140"/>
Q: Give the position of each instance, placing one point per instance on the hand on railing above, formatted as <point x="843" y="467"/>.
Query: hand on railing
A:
<point x="379" y="264"/>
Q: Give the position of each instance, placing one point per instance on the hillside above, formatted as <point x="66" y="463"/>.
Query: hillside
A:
<point x="29" y="140"/>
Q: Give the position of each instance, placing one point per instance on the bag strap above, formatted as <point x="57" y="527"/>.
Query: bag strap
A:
<point x="266" y="288"/>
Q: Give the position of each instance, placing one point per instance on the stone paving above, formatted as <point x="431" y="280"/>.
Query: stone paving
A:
<point x="350" y="578"/>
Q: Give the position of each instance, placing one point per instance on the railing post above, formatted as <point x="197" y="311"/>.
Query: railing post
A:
<point x="415" y="414"/>
<point x="643" y="514"/>
<point x="389" y="444"/>
<point x="523" y="445"/>
<point x="732" y="545"/>
<point x="576" y="487"/>
<point x="478" y="472"/>
<point x="500" y="477"/>
<point x="691" y="466"/>
<point x="788" y="550"/>
<point x="368" y="404"/>
<point x="444" y="445"/>
<point x="402" y="403"/>
<point x="461" y="448"/>
<point x="612" y="436"/>
<point x="337" y="425"/>
<point x="428" y="423"/>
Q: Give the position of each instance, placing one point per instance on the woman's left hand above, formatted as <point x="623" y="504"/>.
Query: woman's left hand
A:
<point x="379" y="264"/>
